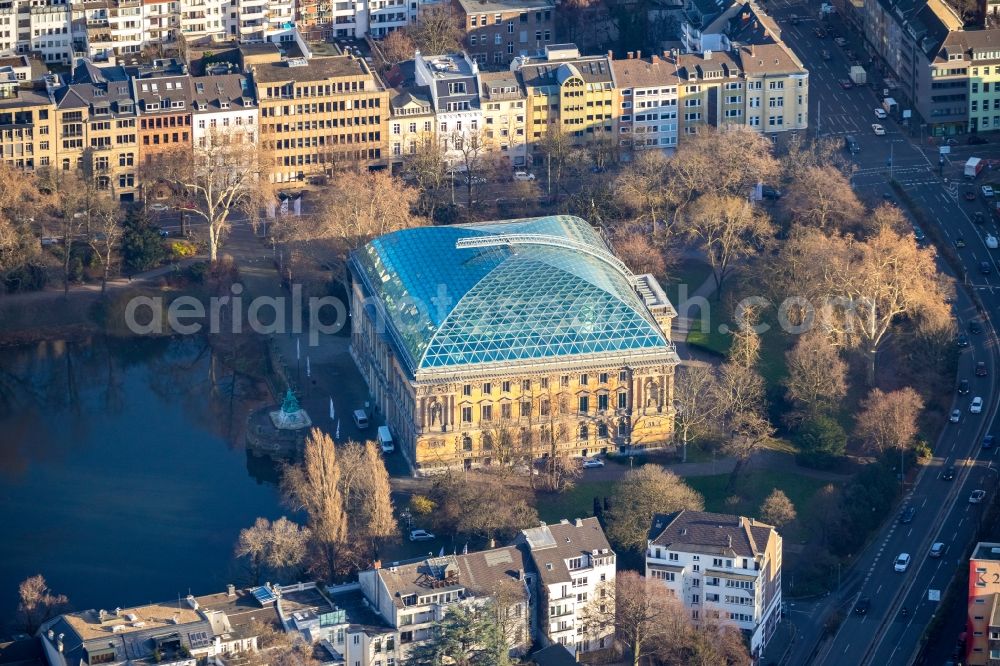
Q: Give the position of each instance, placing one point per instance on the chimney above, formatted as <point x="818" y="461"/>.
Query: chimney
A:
<point x="493" y="543"/>
<point x="638" y="55"/>
<point x="729" y="540"/>
<point x="192" y="602"/>
<point x="230" y="590"/>
<point x="611" y="55"/>
<point x="118" y="612"/>
<point x="628" y="56"/>
<point x="51" y="634"/>
<point x="751" y="51"/>
<point x="579" y="523"/>
<point x="59" y="642"/>
<point x="376" y="565"/>
<point x="739" y="521"/>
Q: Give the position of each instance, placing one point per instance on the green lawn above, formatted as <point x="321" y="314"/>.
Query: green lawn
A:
<point x="578" y="502"/>
<point x="712" y="341"/>
<point x="690" y="272"/>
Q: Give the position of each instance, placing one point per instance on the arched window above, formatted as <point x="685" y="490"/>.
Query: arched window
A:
<point x="466" y="443"/>
<point x="602" y="430"/>
<point x="584" y="432"/>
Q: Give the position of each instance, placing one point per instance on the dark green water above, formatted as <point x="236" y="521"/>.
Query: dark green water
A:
<point x="123" y="477"/>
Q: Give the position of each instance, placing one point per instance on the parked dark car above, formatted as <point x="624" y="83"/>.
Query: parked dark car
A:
<point x="988" y="442"/>
<point x="979" y="217"/>
<point x="985" y="268"/>
<point x="948" y="474"/>
<point x="981" y="369"/>
<point x="963" y="340"/>
<point x="963" y="387"/>
<point x="907" y="516"/>
<point x="863" y="606"/>
<point x="769" y="192"/>
<point x="975" y="327"/>
<point x="976" y="140"/>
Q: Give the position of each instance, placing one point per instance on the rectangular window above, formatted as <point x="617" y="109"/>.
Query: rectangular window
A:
<point x="602" y="402"/>
<point x="487" y="388"/>
<point x="584" y="404"/>
<point x="505" y="387"/>
<point x="623" y="400"/>
<point x="525" y="409"/>
<point x="467" y="389"/>
<point x="487" y="412"/>
<point x="505" y="410"/>
<point x="525" y="385"/>
<point x="466" y="414"/>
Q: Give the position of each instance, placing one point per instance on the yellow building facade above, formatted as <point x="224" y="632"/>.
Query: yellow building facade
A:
<point x="476" y="354"/>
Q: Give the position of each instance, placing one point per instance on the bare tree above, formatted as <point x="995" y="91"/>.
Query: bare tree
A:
<point x="280" y="546"/>
<point x="745" y="347"/>
<point x="817" y="375"/>
<point x="636" y="250"/>
<point x="639" y="611"/>
<point x="822" y="197"/>
<point x="471" y="146"/>
<point x="555" y="147"/>
<point x="106" y="234"/>
<point x="427" y="169"/>
<point x="889" y="420"/>
<point x="228" y="173"/>
<point x="729" y="229"/>
<point x="314" y="486"/>
<point x="640" y="190"/>
<point x="695" y="411"/>
<point x="641" y="494"/>
<point x="396" y="47"/>
<point x="37" y="603"/>
<point x="713" y="643"/>
<point x="438" y="30"/>
<point x="777" y="509"/>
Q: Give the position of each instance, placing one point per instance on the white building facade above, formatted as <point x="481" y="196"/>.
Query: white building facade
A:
<point x="453" y="81"/>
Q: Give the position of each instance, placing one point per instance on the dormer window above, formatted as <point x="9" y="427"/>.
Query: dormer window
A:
<point x="223" y="105"/>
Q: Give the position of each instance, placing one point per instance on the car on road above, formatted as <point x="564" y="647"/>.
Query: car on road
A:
<point x="956" y="415"/>
<point x="960" y="241"/>
<point x="840" y="41"/>
<point x="937" y="549"/>
<point x="819" y="32"/>
<point x="421" y="535"/>
<point x="987" y="191"/>
<point x="476" y="180"/>
<point x="969" y="194"/>
<point x="863" y="606"/>
<point x="988" y="441"/>
<point x="985" y="268"/>
<point x="768" y="192"/>
<point x="907" y="516"/>
<point x="975" y="327"/>
<point x="902" y="562"/>
<point x="881" y="114"/>
<point x="878" y="129"/>
<point x="979" y="217"/>
<point x="991" y="241"/>
<point x="950" y="142"/>
<point x="977" y="405"/>
<point x="976" y="140"/>
<point x="846" y="84"/>
<point x="592" y="463"/>
<point x="159" y="207"/>
<point x="948" y="474"/>
<point x="824" y="54"/>
<point x="524" y="176"/>
<point x="918" y="234"/>
<point x="981" y="369"/>
<point x="977" y="496"/>
<point x="963" y="387"/>
<point x="963" y="340"/>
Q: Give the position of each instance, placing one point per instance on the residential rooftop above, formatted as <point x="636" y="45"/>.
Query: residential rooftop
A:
<point x="986" y="550"/>
<point x="552" y="545"/>
<point x="312" y="69"/>
<point x="705" y="532"/>
<point x="89" y="624"/>
<point x="492" y="6"/>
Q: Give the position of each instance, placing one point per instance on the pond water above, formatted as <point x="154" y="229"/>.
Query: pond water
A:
<point x="123" y="477"/>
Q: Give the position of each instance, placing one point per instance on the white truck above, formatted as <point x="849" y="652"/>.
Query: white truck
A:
<point x="858" y="76"/>
<point x="890" y="106"/>
<point x="972" y="167"/>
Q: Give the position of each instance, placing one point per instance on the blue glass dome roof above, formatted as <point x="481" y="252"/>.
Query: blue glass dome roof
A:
<point x="556" y="293"/>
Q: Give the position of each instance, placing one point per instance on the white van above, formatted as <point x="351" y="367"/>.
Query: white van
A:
<point x="361" y="418"/>
<point x="385" y="440"/>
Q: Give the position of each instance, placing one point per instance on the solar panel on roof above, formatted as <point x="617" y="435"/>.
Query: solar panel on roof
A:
<point x="263" y="595"/>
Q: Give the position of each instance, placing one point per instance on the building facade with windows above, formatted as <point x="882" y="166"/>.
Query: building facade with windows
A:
<point x="164" y="104"/>
<point x="576" y="568"/>
<point x="28" y="128"/>
<point x="411" y="122"/>
<point x="721" y="567"/>
<point x="646" y="99"/>
<point x="414" y="596"/>
<point x="453" y="82"/>
<point x="525" y="332"/>
<point x="982" y="646"/>
<point x="504" y="115"/>
<point x="569" y="93"/>
<point x="224" y="109"/>
<point x="319" y="113"/>
<point x="497" y="31"/>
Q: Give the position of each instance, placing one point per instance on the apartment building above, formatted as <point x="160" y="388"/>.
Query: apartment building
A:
<point x="497" y="31"/>
<point x="912" y="39"/>
<point x="646" y="99"/>
<point x="319" y="112"/>
<point x="27" y="122"/>
<point x="505" y="114"/>
<point x="710" y="91"/>
<point x="575" y="567"/>
<point x="980" y="55"/>
<point x="982" y="646"/>
<point x="413" y="597"/>
<point x="453" y="82"/>
<point x="411" y="121"/>
<point x="203" y="19"/>
<point x="383" y="17"/>
<point x="164" y="104"/>
<point x="224" y="109"/>
<point x="777" y="89"/>
<point x="568" y="93"/>
<point x="96" y="117"/>
<point x="161" y="21"/>
<point x="721" y="567"/>
<point x="44" y="28"/>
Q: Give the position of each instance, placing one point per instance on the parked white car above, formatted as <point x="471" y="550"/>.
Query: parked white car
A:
<point x="991" y="241"/>
<point x="421" y="535"/>
<point x="987" y="191"/>
<point x="159" y="207"/>
<point x="977" y="405"/>
<point x="881" y="114"/>
<point x="956" y="416"/>
<point x="977" y="496"/>
<point x="592" y="462"/>
<point x="902" y="562"/>
<point x="878" y="129"/>
<point x="524" y="175"/>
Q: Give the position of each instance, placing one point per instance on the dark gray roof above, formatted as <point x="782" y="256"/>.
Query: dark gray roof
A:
<point x="241" y="610"/>
<point x="453" y="573"/>
<point x="702" y="531"/>
<point x="553" y="655"/>
<point x="419" y="95"/>
<point x="95" y="87"/>
<point x="551" y="545"/>
<point x="592" y="69"/>
<point x="150" y="92"/>
<point x="235" y="90"/>
<point x="24" y="652"/>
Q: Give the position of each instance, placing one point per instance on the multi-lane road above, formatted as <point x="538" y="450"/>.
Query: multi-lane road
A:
<point x="883" y="635"/>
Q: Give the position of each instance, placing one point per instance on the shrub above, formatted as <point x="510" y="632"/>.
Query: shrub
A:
<point x="822" y="442"/>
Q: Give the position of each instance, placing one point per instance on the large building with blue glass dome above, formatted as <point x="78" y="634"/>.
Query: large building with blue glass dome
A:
<point x="493" y="342"/>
